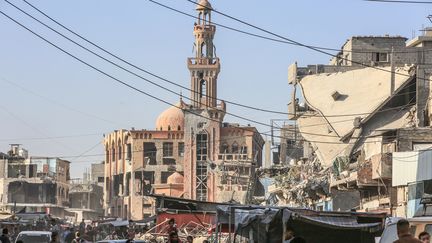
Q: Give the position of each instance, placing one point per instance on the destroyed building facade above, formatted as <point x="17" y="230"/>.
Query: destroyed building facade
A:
<point x="33" y="184"/>
<point x="370" y="103"/>
<point x="86" y="195"/>
<point x="192" y="153"/>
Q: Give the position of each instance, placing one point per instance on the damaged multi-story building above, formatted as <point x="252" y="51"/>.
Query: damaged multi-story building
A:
<point x="33" y="184"/>
<point x="86" y="195"/>
<point x="362" y="114"/>
<point x="191" y="153"/>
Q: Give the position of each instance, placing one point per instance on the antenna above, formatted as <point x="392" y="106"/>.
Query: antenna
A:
<point x="429" y="17"/>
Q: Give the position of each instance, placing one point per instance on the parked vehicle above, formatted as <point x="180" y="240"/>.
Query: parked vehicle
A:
<point x="34" y="236"/>
<point x="422" y="221"/>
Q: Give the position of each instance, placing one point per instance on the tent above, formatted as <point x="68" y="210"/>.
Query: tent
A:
<point x="267" y="224"/>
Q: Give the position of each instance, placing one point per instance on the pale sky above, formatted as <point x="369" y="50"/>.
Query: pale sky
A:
<point x="46" y="94"/>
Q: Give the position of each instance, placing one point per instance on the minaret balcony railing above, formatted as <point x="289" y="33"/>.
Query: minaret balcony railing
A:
<point x="203" y="61"/>
<point x="210" y="28"/>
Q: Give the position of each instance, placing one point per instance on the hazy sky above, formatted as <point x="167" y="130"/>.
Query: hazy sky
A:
<point x="46" y="94"/>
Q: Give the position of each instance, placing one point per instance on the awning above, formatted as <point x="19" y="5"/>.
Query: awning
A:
<point x="145" y="221"/>
<point x="266" y="223"/>
<point x="341" y="223"/>
<point x="117" y="223"/>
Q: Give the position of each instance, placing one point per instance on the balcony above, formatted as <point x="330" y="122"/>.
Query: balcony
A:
<point x="234" y="157"/>
<point x="207" y="28"/>
<point x="197" y="62"/>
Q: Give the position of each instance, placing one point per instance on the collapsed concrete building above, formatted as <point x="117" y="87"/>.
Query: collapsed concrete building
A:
<point x="372" y="101"/>
<point x="33" y="184"/>
<point x="192" y="153"/>
<point x="86" y="195"/>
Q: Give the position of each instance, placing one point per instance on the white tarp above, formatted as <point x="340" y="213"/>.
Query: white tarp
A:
<point x="411" y="167"/>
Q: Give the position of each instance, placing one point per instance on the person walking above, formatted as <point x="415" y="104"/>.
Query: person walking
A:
<point x="54" y="237"/>
<point x="403" y="232"/>
<point x="77" y="238"/>
<point x="424" y="237"/>
<point x="4" y="238"/>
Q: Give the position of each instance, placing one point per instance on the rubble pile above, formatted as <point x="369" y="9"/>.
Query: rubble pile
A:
<point x="305" y="182"/>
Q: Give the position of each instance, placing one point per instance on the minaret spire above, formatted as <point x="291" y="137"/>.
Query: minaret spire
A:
<point x="205" y="65"/>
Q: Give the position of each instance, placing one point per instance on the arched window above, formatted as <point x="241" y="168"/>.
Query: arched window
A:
<point x="169" y="128"/>
<point x="199" y="17"/>
<point x="120" y="151"/>
<point x="244" y="149"/>
<point x="205" y="18"/>
<point x="203" y="88"/>
<point x="224" y="148"/>
<point x="178" y="128"/>
<point x="113" y="155"/>
<point x="234" y="148"/>
<point x="203" y="49"/>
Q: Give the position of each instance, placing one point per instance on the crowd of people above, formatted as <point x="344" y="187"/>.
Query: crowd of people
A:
<point x="67" y="233"/>
<point x="405" y="236"/>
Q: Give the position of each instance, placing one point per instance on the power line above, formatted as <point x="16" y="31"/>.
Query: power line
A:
<point x="143" y="92"/>
<point x="121" y="67"/>
<point x="58" y="103"/>
<point x="398" y="1"/>
<point x="136" y="66"/>
<point x="108" y="75"/>
<point x="299" y="43"/>
<point x="269" y="38"/>
<point x="158" y="85"/>
<point x="51" y="138"/>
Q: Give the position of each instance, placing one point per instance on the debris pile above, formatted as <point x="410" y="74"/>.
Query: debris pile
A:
<point x="305" y="182"/>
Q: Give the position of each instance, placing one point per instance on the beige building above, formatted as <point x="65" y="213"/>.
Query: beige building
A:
<point x="36" y="184"/>
<point x="192" y="153"/>
<point x="371" y="102"/>
<point x="86" y="194"/>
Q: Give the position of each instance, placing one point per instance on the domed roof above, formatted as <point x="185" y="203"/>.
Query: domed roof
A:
<point x="175" y="178"/>
<point x="171" y="119"/>
<point x="203" y="4"/>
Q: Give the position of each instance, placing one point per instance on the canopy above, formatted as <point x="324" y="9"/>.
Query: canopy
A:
<point x="267" y="224"/>
<point x="117" y="223"/>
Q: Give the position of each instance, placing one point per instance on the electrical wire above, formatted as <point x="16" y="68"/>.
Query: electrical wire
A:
<point x="298" y="43"/>
<point x="58" y="103"/>
<point x="272" y="39"/>
<point x="398" y="1"/>
<point x="51" y="138"/>
<point x="131" y="64"/>
<point x="141" y="68"/>
<point x="148" y="72"/>
<point x="136" y="89"/>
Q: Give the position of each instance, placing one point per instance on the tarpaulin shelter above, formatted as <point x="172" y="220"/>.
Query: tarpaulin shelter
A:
<point x="117" y="223"/>
<point x="184" y="211"/>
<point x="267" y="224"/>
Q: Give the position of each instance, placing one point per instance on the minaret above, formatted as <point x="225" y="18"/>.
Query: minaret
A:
<point x="205" y="66"/>
<point x="204" y="116"/>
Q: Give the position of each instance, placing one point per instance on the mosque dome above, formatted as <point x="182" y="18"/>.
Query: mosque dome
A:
<point x="172" y="119"/>
<point x="203" y="4"/>
<point x="175" y="178"/>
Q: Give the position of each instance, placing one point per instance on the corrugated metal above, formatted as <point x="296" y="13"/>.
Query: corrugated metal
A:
<point x="411" y="167"/>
